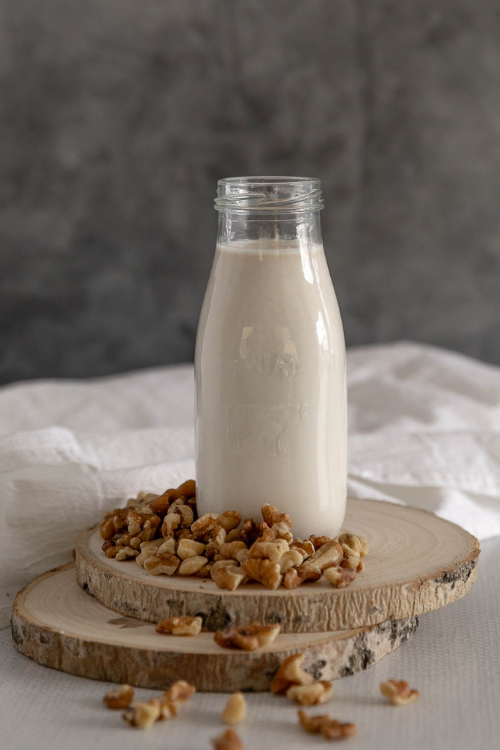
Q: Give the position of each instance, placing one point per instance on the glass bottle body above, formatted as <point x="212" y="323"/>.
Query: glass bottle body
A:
<point x="270" y="374"/>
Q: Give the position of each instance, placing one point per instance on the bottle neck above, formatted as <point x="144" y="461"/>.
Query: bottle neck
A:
<point x="297" y="228"/>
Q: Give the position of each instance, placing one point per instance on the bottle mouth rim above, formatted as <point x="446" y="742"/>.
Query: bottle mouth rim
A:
<point x="269" y="193"/>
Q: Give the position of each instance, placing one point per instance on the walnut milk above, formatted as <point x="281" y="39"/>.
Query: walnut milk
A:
<point x="270" y="361"/>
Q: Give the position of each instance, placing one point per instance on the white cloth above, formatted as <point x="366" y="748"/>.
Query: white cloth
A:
<point x="422" y="430"/>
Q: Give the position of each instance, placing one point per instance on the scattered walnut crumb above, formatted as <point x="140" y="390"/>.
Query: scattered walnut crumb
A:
<point x="248" y="638"/>
<point x="120" y="697"/>
<point x="179" y="692"/>
<point x="310" y="695"/>
<point x="331" y="729"/>
<point x="236" y="709"/>
<point x="188" y="626"/>
<point x="230" y="740"/>
<point x="142" y="715"/>
<point x="399" y="692"/>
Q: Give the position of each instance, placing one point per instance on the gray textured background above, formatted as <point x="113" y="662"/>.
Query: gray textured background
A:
<point x="118" y="116"/>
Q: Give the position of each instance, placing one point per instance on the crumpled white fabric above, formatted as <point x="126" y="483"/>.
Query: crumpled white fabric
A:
<point x="422" y="431"/>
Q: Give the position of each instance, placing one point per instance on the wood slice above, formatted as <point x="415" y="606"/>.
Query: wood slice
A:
<point x="417" y="562"/>
<point x="59" y="626"/>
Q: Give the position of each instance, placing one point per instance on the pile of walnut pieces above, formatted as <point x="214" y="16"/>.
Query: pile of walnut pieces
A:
<point x="165" y="536"/>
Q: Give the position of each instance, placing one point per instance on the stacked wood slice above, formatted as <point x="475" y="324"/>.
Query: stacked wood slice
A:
<point x="100" y="622"/>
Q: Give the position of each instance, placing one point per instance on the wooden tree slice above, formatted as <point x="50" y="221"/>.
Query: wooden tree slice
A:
<point x="59" y="626"/>
<point x="417" y="562"/>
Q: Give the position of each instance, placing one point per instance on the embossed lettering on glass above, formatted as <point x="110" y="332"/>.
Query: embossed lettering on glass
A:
<point x="270" y="360"/>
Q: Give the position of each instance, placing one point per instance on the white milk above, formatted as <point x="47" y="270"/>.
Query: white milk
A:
<point x="271" y="389"/>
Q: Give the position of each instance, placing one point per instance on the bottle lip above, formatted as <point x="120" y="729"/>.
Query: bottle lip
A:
<point x="273" y="193"/>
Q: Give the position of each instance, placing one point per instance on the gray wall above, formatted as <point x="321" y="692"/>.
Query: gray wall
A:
<point x="118" y="116"/>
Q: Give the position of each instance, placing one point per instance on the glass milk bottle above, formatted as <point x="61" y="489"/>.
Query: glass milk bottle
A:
<point x="270" y="361"/>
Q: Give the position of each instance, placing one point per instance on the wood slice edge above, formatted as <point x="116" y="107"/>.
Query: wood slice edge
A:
<point x="308" y="610"/>
<point x="224" y="672"/>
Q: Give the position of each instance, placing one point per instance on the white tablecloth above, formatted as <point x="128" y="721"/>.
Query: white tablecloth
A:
<point x="423" y="430"/>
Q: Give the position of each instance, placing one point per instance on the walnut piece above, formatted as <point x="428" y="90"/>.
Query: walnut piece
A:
<point x="272" y="515"/>
<point x="192" y="565"/>
<point x="353" y="545"/>
<point x="189" y="548"/>
<point x="229" y="740"/>
<point x="290" y="673"/>
<point x="187" y="488"/>
<point x="114" y="522"/>
<point x="310" y="695"/>
<point x="229" y="550"/>
<point x="247" y="638"/>
<point x="120" y="697"/>
<point x="126" y="553"/>
<point x="306" y="548"/>
<point x="229" y="520"/>
<point x="171" y="522"/>
<point x="162" y="563"/>
<point x="180" y="692"/>
<point x="352" y="563"/>
<point x="331" y="729"/>
<point x="168" y="545"/>
<point x="319" y="541"/>
<point x="235" y="710"/>
<point x="227" y="574"/>
<point x="160" y="505"/>
<point x="291" y="559"/>
<point x="272" y="551"/>
<point x="186" y="515"/>
<point x="264" y="571"/>
<point x="282" y="531"/>
<point x="188" y="626"/>
<point x="148" y="549"/>
<point x="204" y="525"/>
<point x="142" y="715"/>
<point x="295" y="576"/>
<point x="234" y="536"/>
<point x="252" y="530"/>
<point x="399" y="692"/>
<point x="327" y="555"/>
<point x="339" y="577"/>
